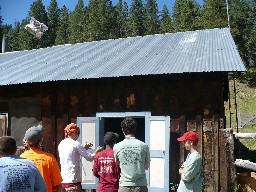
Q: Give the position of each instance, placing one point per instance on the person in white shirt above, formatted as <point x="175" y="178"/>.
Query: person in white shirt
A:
<point x="70" y="151"/>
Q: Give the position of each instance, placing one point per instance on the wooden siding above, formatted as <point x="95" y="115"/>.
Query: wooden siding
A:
<point x="189" y="99"/>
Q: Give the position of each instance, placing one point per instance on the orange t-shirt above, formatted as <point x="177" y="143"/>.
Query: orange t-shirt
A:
<point x="47" y="165"/>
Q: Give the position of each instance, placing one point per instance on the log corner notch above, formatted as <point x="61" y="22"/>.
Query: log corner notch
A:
<point x="245" y="164"/>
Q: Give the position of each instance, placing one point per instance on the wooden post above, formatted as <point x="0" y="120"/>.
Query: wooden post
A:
<point x="182" y="130"/>
<point x="216" y="151"/>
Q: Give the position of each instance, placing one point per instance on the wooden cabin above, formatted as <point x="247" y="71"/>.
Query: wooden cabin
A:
<point x="170" y="83"/>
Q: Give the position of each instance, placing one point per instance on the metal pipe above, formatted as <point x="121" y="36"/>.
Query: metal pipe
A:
<point x="235" y="102"/>
<point x="228" y="14"/>
<point x="5" y="44"/>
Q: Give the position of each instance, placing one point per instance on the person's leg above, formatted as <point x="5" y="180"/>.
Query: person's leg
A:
<point x="133" y="189"/>
<point x="141" y="189"/>
<point x="124" y="189"/>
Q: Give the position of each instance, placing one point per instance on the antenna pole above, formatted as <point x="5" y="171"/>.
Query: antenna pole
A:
<point x="228" y="13"/>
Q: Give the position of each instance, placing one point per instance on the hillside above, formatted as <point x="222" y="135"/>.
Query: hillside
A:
<point x="246" y="103"/>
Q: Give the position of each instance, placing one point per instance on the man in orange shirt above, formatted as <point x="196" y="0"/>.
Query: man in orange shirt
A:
<point x="45" y="162"/>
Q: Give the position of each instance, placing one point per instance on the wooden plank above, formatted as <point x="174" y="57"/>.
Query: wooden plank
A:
<point x="47" y="123"/>
<point x="182" y="131"/>
<point x="245" y="135"/>
<point x="216" y="151"/>
<point x="199" y="130"/>
<point x="3" y="123"/>
<point x="245" y="164"/>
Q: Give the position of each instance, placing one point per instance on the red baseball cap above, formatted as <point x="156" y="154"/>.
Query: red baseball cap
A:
<point x="190" y="135"/>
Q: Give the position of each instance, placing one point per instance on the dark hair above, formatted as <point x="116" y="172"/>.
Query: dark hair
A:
<point x="195" y="143"/>
<point x="36" y="144"/>
<point x="7" y="146"/>
<point x="110" y="141"/>
<point x="129" y="125"/>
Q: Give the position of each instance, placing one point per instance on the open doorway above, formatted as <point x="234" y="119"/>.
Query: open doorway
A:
<point x="113" y="124"/>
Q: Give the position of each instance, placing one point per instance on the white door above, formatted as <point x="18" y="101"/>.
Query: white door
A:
<point x="90" y="132"/>
<point x="157" y="134"/>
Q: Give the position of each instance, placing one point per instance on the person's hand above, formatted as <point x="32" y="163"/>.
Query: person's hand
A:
<point x="181" y="170"/>
<point x="88" y="146"/>
<point x="98" y="149"/>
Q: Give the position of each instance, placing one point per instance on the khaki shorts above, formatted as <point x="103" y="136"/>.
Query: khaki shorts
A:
<point x="133" y="189"/>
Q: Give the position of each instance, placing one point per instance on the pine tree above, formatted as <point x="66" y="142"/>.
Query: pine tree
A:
<point x="110" y="23"/>
<point x="77" y="23"/>
<point x="127" y="27"/>
<point x="214" y="14"/>
<point x="243" y="28"/>
<point x="62" y="28"/>
<point x="120" y="19"/>
<point x="14" y="41"/>
<point x="137" y="16"/>
<point x="166" y="21"/>
<point x="185" y="15"/>
<point x="53" y="21"/>
<point x="26" y="40"/>
<point x="151" y="20"/>
<point x="101" y="20"/>
<point x="37" y="10"/>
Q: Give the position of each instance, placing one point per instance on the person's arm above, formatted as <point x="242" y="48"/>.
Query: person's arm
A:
<point x="84" y="153"/>
<point x="56" y="178"/>
<point x="191" y="170"/>
<point x="116" y="155"/>
<point x="147" y="160"/>
<point x="95" y="169"/>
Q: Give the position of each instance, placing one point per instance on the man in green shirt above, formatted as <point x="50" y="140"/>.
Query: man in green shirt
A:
<point x="133" y="157"/>
<point x="191" y="170"/>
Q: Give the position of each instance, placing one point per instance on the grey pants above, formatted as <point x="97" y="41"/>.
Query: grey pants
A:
<point x="133" y="189"/>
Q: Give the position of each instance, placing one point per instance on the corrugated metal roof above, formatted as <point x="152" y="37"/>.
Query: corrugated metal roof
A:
<point x="184" y="52"/>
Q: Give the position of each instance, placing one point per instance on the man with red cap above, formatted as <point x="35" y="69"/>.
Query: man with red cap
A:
<point x="70" y="151"/>
<point x="191" y="170"/>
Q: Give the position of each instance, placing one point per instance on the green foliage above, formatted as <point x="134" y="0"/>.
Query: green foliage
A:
<point x="166" y="25"/>
<point x="249" y="77"/>
<point x="185" y="15"/>
<point x="14" y="37"/>
<point x="137" y="16"/>
<point x="25" y="38"/>
<point x="62" y="28"/>
<point x="53" y="21"/>
<point x="246" y="103"/>
<point x="37" y="10"/>
<point x="151" y="21"/>
<point x="214" y="14"/>
<point x="243" y="28"/>
<point x="102" y="20"/>
<point x="121" y="10"/>
<point x="77" y="23"/>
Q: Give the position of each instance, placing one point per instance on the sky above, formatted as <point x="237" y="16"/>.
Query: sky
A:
<point x="12" y="10"/>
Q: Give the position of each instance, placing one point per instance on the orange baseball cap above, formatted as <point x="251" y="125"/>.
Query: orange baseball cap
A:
<point x="190" y="135"/>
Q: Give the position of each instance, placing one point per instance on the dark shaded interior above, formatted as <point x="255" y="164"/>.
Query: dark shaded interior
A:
<point x="114" y="125"/>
